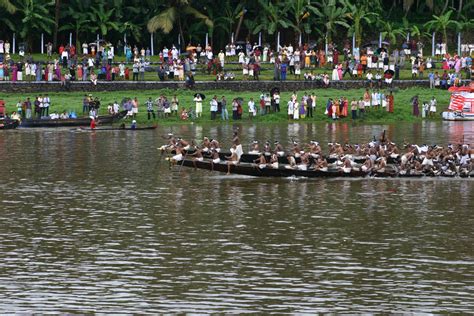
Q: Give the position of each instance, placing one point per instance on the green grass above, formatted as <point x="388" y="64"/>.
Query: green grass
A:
<point x="402" y="109"/>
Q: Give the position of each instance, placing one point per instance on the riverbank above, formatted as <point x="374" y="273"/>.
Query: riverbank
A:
<point x="235" y="85"/>
<point x="72" y="101"/>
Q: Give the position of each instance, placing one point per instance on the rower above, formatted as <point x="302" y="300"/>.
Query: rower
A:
<point x="205" y="145"/>
<point x="267" y="149"/>
<point x="381" y="164"/>
<point x="314" y="149"/>
<point x="296" y="150"/>
<point x="178" y="156"/>
<point x="254" y="149"/>
<point x="321" y="165"/>
<point x="346" y="165"/>
<point x="184" y="144"/>
<point x="171" y="143"/>
<point x="291" y="162"/>
<point x="197" y="156"/>
<point x="238" y="146"/>
<point x="368" y="165"/>
<point x="261" y="162"/>
<point x="274" y="161"/>
<point x="279" y="149"/>
<point x="233" y="159"/>
<point x="214" y="145"/>
<point x="215" y="159"/>
<point x="303" y="165"/>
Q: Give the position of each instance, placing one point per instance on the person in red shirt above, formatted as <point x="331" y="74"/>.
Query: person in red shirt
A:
<point x="93" y="125"/>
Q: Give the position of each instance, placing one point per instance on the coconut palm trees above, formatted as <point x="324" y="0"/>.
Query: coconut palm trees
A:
<point x="441" y="23"/>
<point x="174" y="13"/>
<point x="7" y="5"/>
<point x="331" y="15"/>
<point x="359" y="13"/>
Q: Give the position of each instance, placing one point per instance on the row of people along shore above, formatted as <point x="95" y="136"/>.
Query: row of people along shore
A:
<point x="376" y="156"/>
<point x="297" y="107"/>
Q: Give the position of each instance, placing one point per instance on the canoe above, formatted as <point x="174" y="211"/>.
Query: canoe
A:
<point x="118" y="128"/>
<point x="8" y="124"/>
<point x="282" y="172"/>
<point x="81" y="121"/>
<point x="250" y="169"/>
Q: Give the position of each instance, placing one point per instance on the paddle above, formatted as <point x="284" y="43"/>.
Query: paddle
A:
<point x="182" y="163"/>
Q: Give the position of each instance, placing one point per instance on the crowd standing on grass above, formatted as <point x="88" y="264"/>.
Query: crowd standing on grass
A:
<point x="297" y="107"/>
<point x="377" y="65"/>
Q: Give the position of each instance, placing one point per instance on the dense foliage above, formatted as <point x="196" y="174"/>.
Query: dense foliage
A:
<point x="185" y="21"/>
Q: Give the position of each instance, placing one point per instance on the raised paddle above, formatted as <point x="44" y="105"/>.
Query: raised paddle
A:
<point x="182" y="163"/>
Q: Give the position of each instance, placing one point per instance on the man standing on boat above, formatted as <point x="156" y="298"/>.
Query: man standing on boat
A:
<point x="238" y="146"/>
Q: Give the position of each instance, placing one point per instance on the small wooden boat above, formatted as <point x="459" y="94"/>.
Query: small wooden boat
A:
<point x="120" y="128"/>
<point x="82" y="121"/>
<point x="248" y="169"/>
<point x="9" y="124"/>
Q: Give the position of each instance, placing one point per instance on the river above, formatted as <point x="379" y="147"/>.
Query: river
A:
<point x="91" y="222"/>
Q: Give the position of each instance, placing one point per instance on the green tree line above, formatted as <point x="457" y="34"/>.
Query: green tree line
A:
<point x="188" y="21"/>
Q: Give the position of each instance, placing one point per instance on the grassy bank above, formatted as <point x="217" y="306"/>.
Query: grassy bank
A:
<point x="402" y="109"/>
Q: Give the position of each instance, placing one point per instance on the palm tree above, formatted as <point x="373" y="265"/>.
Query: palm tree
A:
<point x="271" y="19"/>
<point x="391" y="32"/>
<point x="332" y="13"/>
<point x="7" y="5"/>
<point x="34" y="18"/>
<point x="442" y="23"/>
<point x="81" y="22"/>
<point x="175" y="12"/>
<point x="299" y="12"/>
<point x="359" y="14"/>
<point x="102" y="19"/>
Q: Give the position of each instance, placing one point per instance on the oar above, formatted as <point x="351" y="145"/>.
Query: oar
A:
<point x="182" y="163"/>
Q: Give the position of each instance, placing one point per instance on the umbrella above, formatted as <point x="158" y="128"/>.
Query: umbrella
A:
<point x="239" y="100"/>
<point x="191" y="48"/>
<point x="379" y="50"/>
<point x="241" y="42"/>
<point x="389" y="72"/>
<point x="375" y="43"/>
<point x="202" y="95"/>
<point x="274" y="90"/>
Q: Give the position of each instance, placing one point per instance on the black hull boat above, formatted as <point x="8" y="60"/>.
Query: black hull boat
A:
<point x="118" y="128"/>
<point x="82" y="121"/>
<point x="284" y="171"/>
<point x="8" y="124"/>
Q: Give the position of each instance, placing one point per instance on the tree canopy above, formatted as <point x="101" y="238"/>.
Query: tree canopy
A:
<point x="315" y="21"/>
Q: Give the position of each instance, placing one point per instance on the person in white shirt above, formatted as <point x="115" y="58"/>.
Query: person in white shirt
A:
<point x="198" y="101"/>
<point x="369" y="77"/>
<point x="433" y="103"/>
<point x="252" y="109"/>
<point x="116" y="107"/>
<point x="375" y="99"/>
<point x="276" y="102"/>
<point x="214" y="107"/>
<point x="291" y="108"/>
<point x="221" y="57"/>
<point x="85" y="49"/>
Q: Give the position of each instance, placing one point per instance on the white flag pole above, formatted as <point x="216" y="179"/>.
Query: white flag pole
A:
<point x="151" y="45"/>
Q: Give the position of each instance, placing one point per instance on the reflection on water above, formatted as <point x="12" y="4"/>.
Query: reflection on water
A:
<point x="91" y="221"/>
